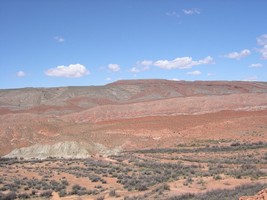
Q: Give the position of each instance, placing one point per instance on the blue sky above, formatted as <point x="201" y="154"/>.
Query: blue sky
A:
<point x="94" y="42"/>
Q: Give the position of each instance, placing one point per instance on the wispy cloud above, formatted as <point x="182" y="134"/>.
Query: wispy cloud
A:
<point x="135" y="70"/>
<point x="263" y="52"/>
<point x="141" y="66"/>
<point x="145" y="63"/>
<point x="182" y="63"/>
<point x="196" y="72"/>
<point x="114" y="67"/>
<point x="262" y="41"/>
<point x="20" y="74"/>
<point x="173" y="14"/>
<point x="191" y="11"/>
<point x="71" y="71"/>
<point x="59" y="39"/>
<point x="256" y="65"/>
<point x="238" y="55"/>
<point x="184" y="12"/>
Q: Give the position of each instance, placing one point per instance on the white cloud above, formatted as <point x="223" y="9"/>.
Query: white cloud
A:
<point x="191" y="11"/>
<point x="196" y="72"/>
<point x="263" y="52"/>
<point x="177" y="63"/>
<point x="108" y="79"/>
<point x="114" y="67"/>
<point x="182" y="63"/>
<point x="205" y="61"/>
<point x="141" y="66"/>
<point x="256" y="65"/>
<point x="173" y="14"/>
<point x="238" y="55"/>
<point x="135" y="70"/>
<point x="262" y="40"/>
<point x="20" y="74"/>
<point x="146" y="63"/>
<point x="71" y="71"/>
<point x="209" y="74"/>
<point x="59" y="39"/>
<point x="175" y="79"/>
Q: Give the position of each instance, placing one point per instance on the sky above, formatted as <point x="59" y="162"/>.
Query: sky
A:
<point x="51" y="43"/>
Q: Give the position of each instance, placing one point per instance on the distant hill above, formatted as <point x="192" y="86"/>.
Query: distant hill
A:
<point x="125" y="113"/>
<point x="72" y="99"/>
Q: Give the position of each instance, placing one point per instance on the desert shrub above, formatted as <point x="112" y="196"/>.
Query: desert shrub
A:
<point x="24" y="196"/>
<point x="17" y="181"/>
<point x="79" y="190"/>
<point x="4" y="188"/>
<point x="246" y="170"/>
<point x="93" y="192"/>
<point x="231" y="147"/>
<point x="135" y="198"/>
<point x="76" y="187"/>
<point x="188" y="181"/>
<point x="47" y="193"/>
<point x="38" y="187"/>
<point x="98" y="186"/>
<point x="201" y="181"/>
<point x="9" y="196"/>
<point x="165" y="186"/>
<point x="235" y="144"/>
<point x="82" y="192"/>
<point x="62" y="193"/>
<point x="74" y="191"/>
<point x="56" y="186"/>
<point x="141" y="187"/>
<point x="217" y="177"/>
<point x="100" y="198"/>
<point x="94" y="178"/>
<point x="182" y="197"/>
<point x="223" y="194"/>
<point x="1" y="195"/>
<point x="33" y="192"/>
<point x="161" y="188"/>
<point x="103" y="181"/>
<point x="65" y="182"/>
<point x="112" y="193"/>
<point x="26" y="188"/>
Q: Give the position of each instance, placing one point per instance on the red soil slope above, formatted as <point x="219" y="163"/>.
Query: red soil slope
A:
<point x="134" y="114"/>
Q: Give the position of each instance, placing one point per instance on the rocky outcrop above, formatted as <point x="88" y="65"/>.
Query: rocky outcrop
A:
<point x="62" y="150"/>
<point x="262" y="195"/>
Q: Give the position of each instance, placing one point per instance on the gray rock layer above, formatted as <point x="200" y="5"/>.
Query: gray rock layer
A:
<point x="67" y="149"/>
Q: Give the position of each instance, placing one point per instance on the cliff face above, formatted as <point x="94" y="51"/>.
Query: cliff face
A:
<point x="130" y="114"/>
